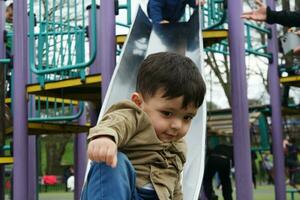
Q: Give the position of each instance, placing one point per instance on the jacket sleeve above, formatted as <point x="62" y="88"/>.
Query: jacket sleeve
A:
<point x="285" y="18"/>
<point x="178" y="195"/>
<point x="120" y="124"/>
<point x="155" y="9"/>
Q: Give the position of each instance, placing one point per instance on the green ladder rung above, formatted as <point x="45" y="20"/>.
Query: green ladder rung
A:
<point x="293" y="191"/>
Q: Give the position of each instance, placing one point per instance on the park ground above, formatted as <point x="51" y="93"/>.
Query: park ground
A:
<point x="263" y="192"/>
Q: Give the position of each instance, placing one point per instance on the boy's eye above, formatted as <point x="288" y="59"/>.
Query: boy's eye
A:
<point x="166" y="113"/>
<point x="188" y="118"/>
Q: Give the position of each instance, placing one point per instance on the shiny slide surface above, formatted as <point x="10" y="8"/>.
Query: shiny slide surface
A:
<point x="144" y="39"/>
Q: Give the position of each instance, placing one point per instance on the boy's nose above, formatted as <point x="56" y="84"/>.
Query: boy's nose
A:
<point x="176" y="123"/>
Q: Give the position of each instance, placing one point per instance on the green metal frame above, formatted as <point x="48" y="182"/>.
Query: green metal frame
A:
<point x="214" y="14"/>
<point x="127" y="8"/>
<point x="57" y="51"/>
<point x="57" y="113"/>
<point x="59" y="34"/>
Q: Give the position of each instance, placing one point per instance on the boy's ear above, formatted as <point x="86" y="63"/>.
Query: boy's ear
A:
<point x="137" y="98"/>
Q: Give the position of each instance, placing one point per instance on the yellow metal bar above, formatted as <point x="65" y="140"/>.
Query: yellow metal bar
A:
<point x="50" y="99"/>
<point x="120" y="39"/>
<point x="37" y="128"/>
<point x="9" y="130"/>
<point x="51" y="128"/>
<point x="57" y="100"/>
<point x="6" y="160"/>
<point x="290" y="79"/>
<point x="7" y="100"/>
<point x="215" y="34"/>
<point x="65" y="83"/>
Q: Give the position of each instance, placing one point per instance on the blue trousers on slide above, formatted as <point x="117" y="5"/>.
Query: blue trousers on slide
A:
<point x="106" y="183"/>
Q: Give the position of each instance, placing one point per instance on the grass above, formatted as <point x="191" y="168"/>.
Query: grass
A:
<point x="56" y="196"/>
<point x="263" y="192"/>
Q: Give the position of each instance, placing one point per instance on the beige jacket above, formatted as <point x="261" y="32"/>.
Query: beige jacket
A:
<point x="155" y="162"/>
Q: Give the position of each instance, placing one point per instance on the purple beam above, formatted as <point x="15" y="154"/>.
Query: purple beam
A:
<point x="32" y="168"/>
<point x="80" y="158"/>
<point x="95" y="67"/>
<point x="32" y="149"/>
<point x="20" y="138"/>
<point x="274" y="88"/>
<point x="2" y="96"/>
<point x="2" y="25"/>
<point x="240" y="122"/>
<point x="107" y="42"/>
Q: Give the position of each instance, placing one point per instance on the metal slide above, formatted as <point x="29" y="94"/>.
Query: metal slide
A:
<point x="143" y="39"/>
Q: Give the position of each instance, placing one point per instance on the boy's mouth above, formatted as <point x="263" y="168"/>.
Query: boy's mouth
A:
<point x="169" y="136"/>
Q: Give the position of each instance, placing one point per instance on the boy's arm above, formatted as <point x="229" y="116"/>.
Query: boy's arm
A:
<point x="103" y="149"/>
<point x="116" y="128"/>
<point x="284" y="17"/>
<point x="120" y="125"/>
<point x="155" y="10"/>
<point x="178" y="191"/>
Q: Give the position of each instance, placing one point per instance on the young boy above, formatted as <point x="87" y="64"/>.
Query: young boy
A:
<point x="138" y="146"/>
<point x="9" y="26"/>
<point x="166" y="11"/>
<point x="8" y="45"/>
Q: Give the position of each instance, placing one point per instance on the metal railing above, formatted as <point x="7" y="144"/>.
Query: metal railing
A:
<point x="57" y="41"/>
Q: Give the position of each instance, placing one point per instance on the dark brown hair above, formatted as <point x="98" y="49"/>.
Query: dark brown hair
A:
<point x="176" y="74"/>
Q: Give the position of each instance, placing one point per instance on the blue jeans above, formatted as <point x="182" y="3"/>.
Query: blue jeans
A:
<point x="106" y="183"/>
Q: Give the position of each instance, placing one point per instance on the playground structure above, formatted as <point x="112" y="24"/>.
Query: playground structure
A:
<point x="58" y="81"/>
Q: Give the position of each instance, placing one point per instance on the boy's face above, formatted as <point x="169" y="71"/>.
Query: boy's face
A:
<point x="171" y="122"/>
<point x="9" y="15"/>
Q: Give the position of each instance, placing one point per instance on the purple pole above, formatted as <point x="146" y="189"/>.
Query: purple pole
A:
<point x="20" y="138"/>
<point x="240" y="122"/>
<point x="32" y="168"/>
<point x="2" y="95"/>
<point x="107" y="42"/>
<point x="32" y="152"/>
<point x="32" y="145"/>
<point x="80" y="158"/>
<point x="95" y="67"/>
<point x="274" y="88"/>
<point x="2" y="25"/>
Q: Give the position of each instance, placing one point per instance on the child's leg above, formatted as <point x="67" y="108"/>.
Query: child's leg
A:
<point x="109" y="183"/>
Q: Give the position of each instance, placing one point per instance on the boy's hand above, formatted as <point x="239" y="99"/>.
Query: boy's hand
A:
<point x="259" y="14"/>
<point x="103" y="149"/>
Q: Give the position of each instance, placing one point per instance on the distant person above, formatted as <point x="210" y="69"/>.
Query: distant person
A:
<point x="9" y="45"/>
<point x="169" y="11"/>
<point x="137" y="148"/>
<point x="71" y="183"/>
<point x="68" y="171"/>
<point x="254" y="168"/>
<point x="291" y="160"/>
<point x="265" y="14"/>
<point x="9" y="27"/>
<point x="219" y="160"/>
<point x="267" y="163"/>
